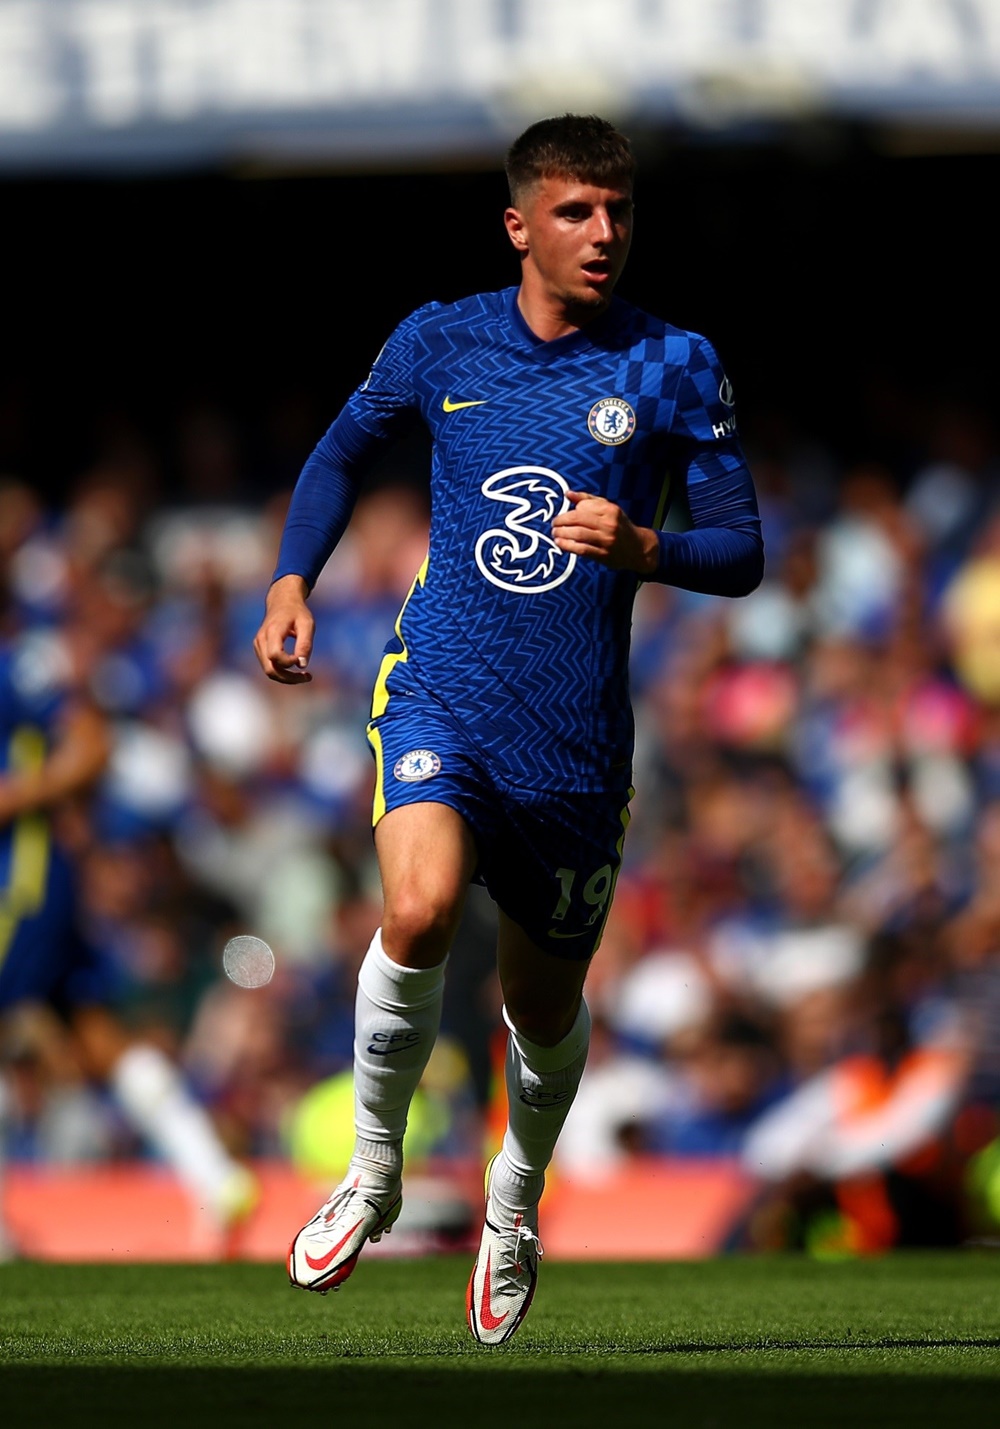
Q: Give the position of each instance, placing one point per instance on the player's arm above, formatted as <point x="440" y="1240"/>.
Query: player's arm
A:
<point x="318" y="514"/>
<point x="322" y="503"/>
<point x="724" y="552"/>
<point x="74" y="762"/>
<point x="723" y="555"/>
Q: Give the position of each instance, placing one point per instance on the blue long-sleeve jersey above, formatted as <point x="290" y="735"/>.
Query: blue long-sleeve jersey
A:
<point x="524" y="645"/>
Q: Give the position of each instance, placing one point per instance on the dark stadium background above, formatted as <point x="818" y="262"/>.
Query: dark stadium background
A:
<point x="843" y="281"/>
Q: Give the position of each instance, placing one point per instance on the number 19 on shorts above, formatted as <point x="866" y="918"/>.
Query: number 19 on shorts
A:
<point x="595" y="892"/>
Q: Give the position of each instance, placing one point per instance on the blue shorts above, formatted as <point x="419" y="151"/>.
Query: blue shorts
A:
<point x="43" y="955"/>
<point x="550" y="861"/>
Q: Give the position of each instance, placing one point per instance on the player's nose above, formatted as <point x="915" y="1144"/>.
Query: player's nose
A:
<point x="602" y="230"/>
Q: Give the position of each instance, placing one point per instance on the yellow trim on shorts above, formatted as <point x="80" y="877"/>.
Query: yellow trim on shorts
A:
<point x="30" y="843"/>
<point x="378" y="806"/>
<point x="380" y="695"/>
<point x="626" y="819"/>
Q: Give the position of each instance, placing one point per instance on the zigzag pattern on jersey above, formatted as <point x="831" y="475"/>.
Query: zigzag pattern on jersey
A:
<point x="525" y="682"/>
<point x="538" y="678"/>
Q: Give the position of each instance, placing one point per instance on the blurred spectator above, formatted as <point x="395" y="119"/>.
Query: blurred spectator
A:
<point x="729" y="1076"/>
<point x="971" y="613"/>
<point x="860" y="1157"/>
<point x="53" y="747"/>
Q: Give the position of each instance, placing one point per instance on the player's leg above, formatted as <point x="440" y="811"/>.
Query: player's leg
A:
<point x="553" y="876"/>
<point x="152" y="1093"/>
<point x="548" y="1036"/>
<point x="426" y="858"/>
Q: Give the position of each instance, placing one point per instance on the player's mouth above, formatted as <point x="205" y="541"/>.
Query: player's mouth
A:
<point x="598" y="270"/>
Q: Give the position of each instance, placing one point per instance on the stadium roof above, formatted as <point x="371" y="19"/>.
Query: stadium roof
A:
<point x="106" y="83"/>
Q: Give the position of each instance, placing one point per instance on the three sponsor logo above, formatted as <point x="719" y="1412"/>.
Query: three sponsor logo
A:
<point x="520" y="555"/>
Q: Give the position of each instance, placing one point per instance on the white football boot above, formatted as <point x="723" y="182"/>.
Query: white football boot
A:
<point x="503" y="1278"/>
<point x="326" y="1250"/>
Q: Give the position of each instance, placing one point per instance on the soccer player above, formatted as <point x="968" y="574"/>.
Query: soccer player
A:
<point x="501" y="724"/>
<point x="53" y="747"/>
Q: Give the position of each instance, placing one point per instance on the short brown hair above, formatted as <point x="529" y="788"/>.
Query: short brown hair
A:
<point x="573" y="146"/>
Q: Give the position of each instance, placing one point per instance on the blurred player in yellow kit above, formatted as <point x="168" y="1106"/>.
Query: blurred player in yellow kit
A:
<point x="53" y="746"/>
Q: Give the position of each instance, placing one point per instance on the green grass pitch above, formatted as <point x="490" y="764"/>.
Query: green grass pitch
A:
<point x="908" y="1340"/>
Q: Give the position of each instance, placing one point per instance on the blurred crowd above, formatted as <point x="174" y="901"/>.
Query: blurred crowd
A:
<point x="801" y="970"/>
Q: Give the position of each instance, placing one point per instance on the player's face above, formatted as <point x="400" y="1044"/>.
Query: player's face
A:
<point x="574" y="238"/>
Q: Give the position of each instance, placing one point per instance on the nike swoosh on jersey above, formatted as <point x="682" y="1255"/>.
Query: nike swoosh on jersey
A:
<point x="554" y="934"/>
<point x="450" y="406"/>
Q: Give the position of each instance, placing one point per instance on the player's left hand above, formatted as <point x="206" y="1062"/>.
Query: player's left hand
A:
<point x="600" y="530"/>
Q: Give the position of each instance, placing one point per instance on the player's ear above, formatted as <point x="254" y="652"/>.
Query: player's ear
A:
<point x="517" y="229"/>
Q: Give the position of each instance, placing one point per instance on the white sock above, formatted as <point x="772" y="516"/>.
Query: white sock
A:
<point x="151" y="1092"/>
<point x="541" y="1085"/>
<point x="396" y="1020"/>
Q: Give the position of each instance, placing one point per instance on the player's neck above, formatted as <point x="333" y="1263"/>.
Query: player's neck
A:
<point x="550" y="317"/>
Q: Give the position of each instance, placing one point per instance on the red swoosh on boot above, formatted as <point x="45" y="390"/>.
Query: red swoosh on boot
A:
<point x="487" y="1318"/>
<point x="325" y="1260"/>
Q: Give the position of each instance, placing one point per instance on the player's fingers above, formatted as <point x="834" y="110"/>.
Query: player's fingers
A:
<point x="289" y="677"/>
<point x="285" y="668"/>
<point x="588" y="508"/>
<point x="576" y="547"/>
<point x="260" y="650"/>
<point x="278" y="664"/>
<point x="580" y="538"/>
<point x="304" y="642"/>
<point x="584" y="530"/>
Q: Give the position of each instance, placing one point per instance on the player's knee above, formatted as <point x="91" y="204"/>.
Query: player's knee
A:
<point x="546" y="1025"/>
<point x="418" y="925"/>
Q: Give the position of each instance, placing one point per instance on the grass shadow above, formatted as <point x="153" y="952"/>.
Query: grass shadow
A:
<point x="504" y="1391"/>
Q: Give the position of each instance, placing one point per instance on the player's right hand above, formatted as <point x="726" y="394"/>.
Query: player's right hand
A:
<point x="286" y="617"/>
